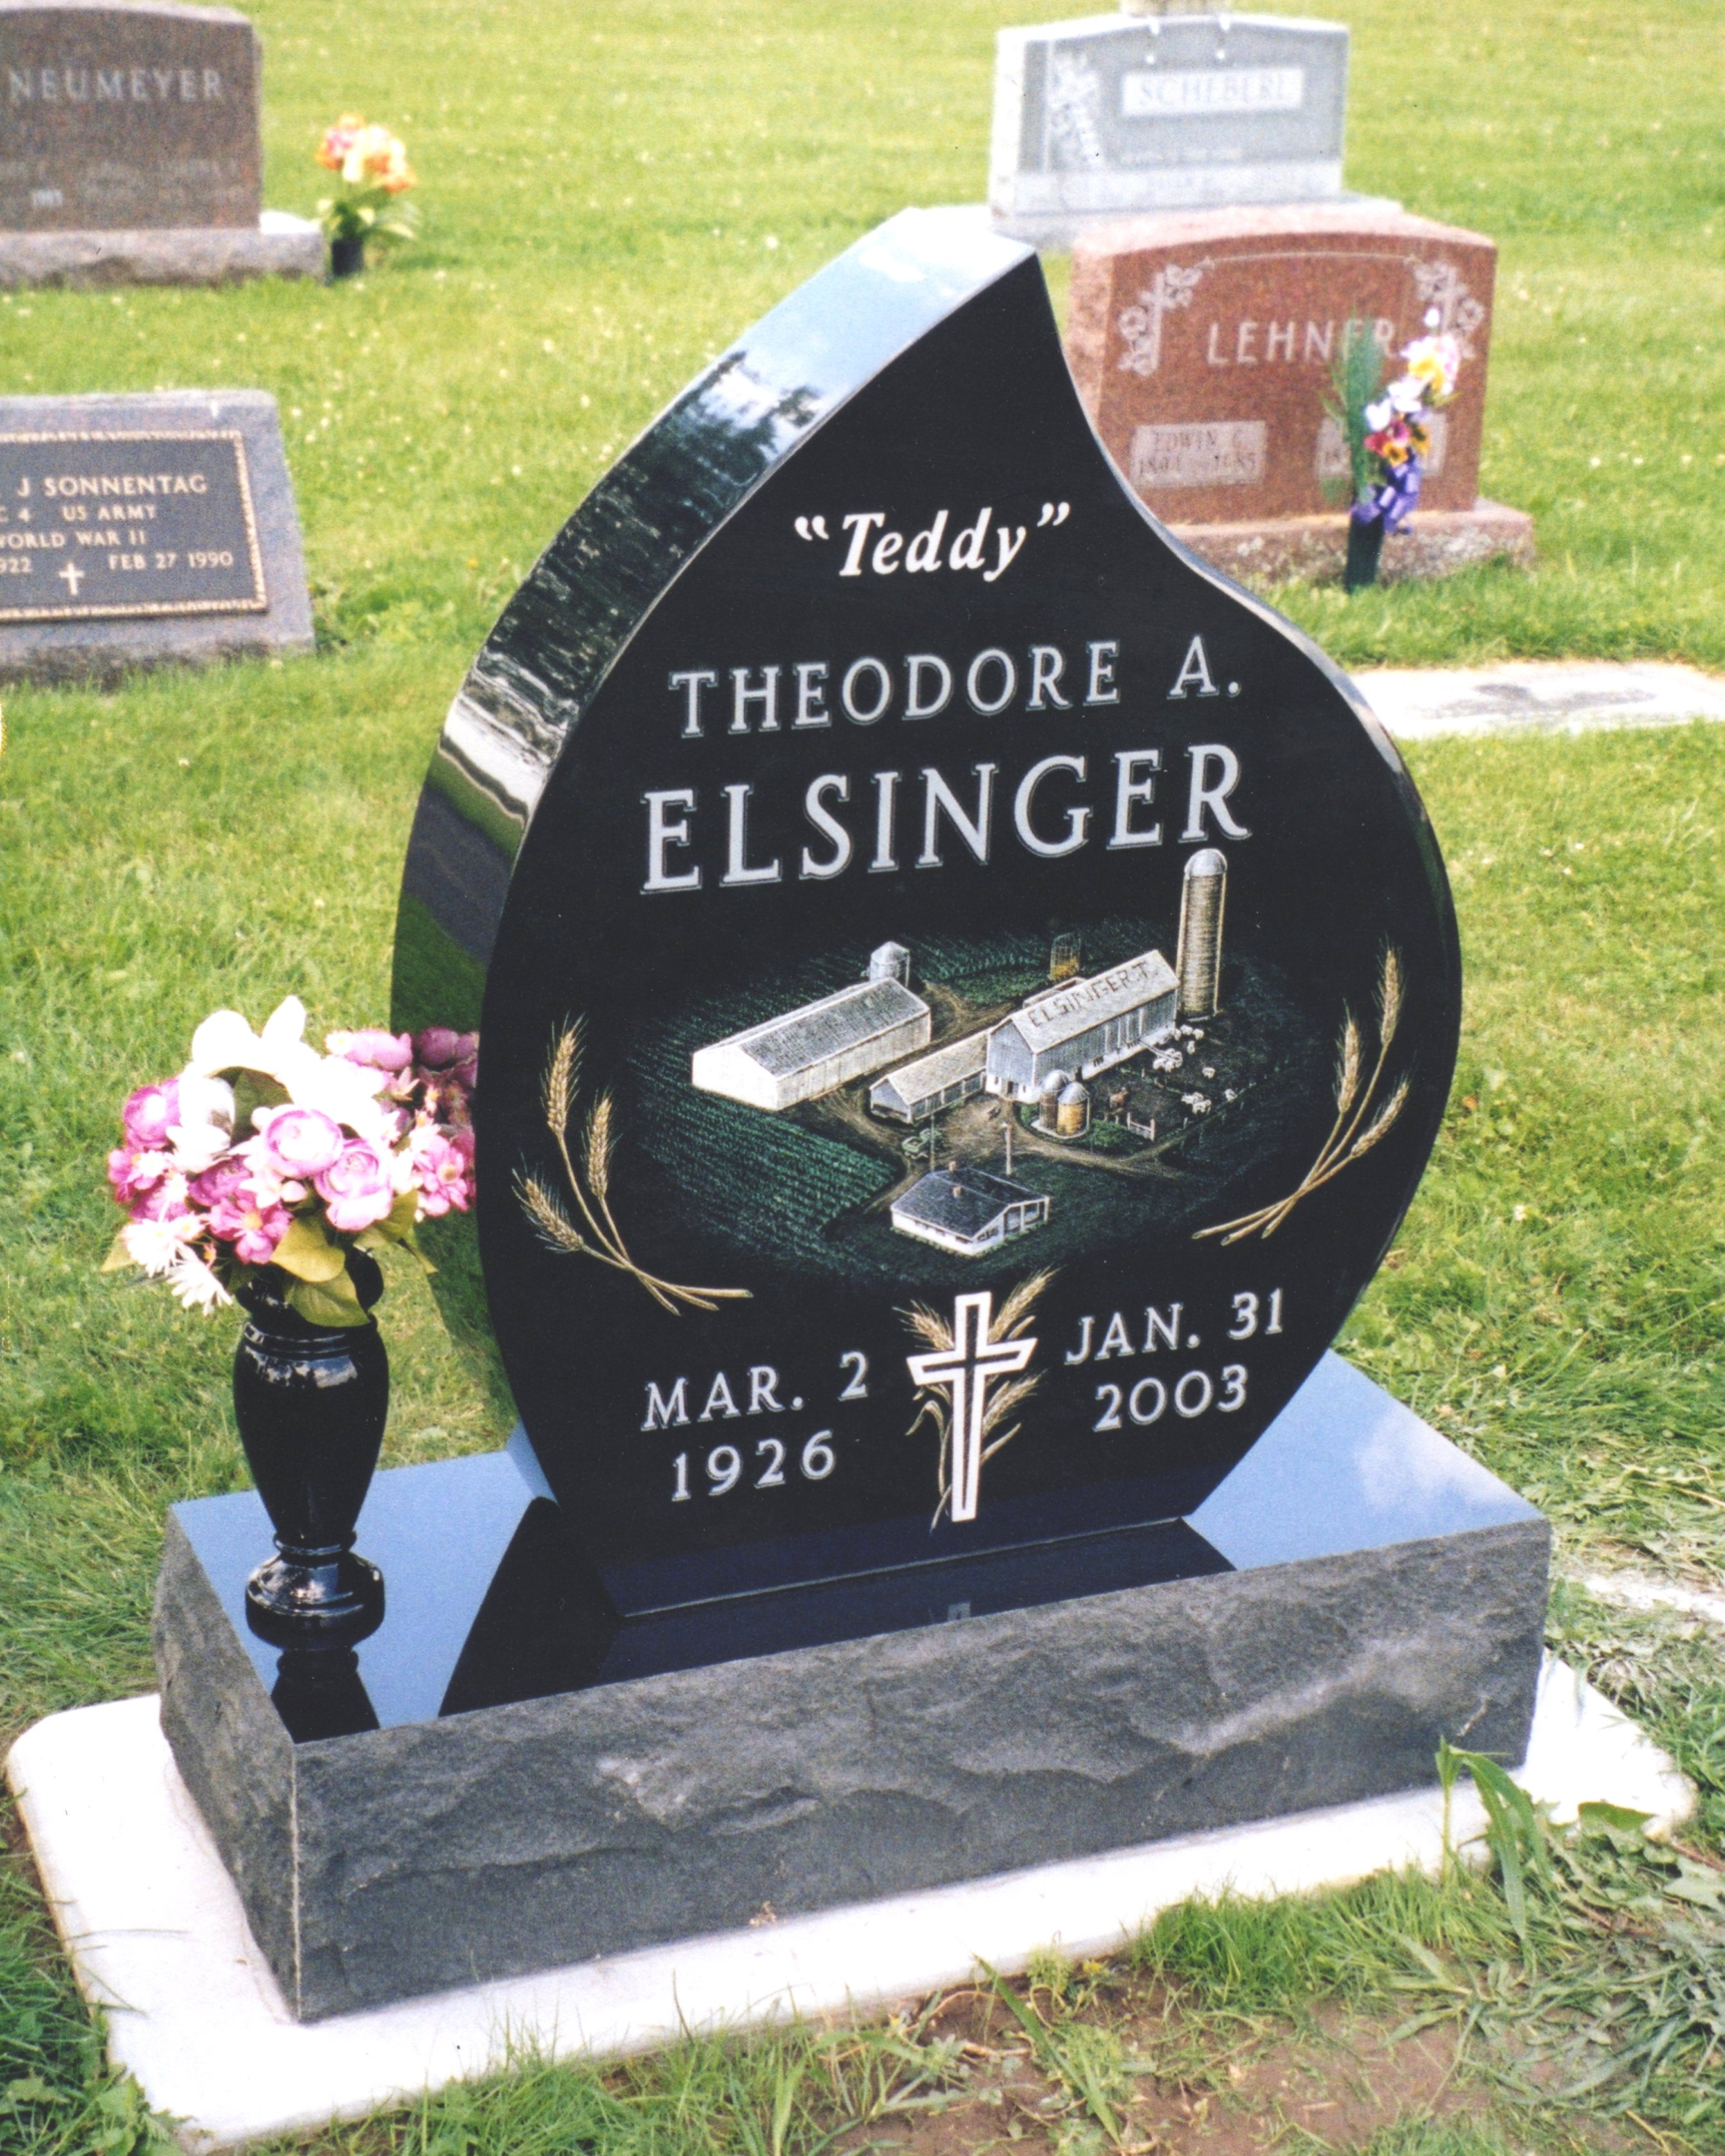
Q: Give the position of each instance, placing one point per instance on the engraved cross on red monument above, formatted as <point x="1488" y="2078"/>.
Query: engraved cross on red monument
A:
<point x="966" y="1369"/>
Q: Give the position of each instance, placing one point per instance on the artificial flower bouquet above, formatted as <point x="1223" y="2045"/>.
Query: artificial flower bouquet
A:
<point x="1386" y="426"/>
<point x="262" y="1152"/>
<point x="373" y="174"/>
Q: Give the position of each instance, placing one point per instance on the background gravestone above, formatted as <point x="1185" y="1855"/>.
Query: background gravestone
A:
<point x="138" y="531"/>
<point x="896" y="1501"/>
<point x="1112" y="115"/>
<point x="1203" y="344"/>
<point x="130" y="148"/>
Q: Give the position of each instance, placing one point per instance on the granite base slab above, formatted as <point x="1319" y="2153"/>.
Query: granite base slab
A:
<point x="278" y="246"/>
<point x="1365" y="1590"/>
<point x="1314" y="549"/>
<point x="157" y="1936"/>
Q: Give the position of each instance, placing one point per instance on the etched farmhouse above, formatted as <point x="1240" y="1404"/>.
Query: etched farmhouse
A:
<point x="967" y="1211"/>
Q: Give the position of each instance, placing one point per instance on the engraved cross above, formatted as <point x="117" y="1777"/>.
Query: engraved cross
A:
<point x="72" y="576"/>
<point x="966" y="1370"/>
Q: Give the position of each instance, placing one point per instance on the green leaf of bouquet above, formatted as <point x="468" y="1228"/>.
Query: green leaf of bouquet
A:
<point x="308" y="1252"/>
<point x="330" y="1302"/>
<point x="252" y="1089"/>
<point x="118" y="1257"/>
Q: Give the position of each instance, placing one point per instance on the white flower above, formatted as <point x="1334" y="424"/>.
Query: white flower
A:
<point x="347" y="1092"/>
<point x="1432" y="317"/>
<point x="158" y="1245"/>
<point x="205" y="1130"/>
<point x="196" y="1285"/>
<point x="1379" y="415"/>
<point x="1407" y="393"/>
<point x="225" y="1041"/>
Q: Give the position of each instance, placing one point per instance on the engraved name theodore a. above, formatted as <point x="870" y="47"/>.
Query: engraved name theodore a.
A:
<point x="1223" y="452"/>
<point x="114" y="86"/>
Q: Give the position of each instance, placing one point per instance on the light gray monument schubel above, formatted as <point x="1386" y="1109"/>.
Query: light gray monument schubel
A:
<point x="1113" y="116"/>
<point x="130" y="149"/>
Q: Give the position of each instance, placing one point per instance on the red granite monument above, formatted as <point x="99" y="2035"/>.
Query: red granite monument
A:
<point x="1203" y="345"/>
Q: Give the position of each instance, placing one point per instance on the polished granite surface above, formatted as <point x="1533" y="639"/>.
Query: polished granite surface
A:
<point x="487" y="1602"/>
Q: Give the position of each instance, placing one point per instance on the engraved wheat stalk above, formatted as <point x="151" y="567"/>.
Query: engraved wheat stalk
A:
<point x="1345" y="1142"/>
<point x="591" y="1188"/>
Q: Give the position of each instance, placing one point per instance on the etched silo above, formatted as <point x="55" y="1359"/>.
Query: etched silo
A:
<point x="1198" y="964"/>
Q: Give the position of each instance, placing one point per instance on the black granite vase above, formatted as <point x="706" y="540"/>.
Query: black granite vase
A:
<point x="1365" y="548"/>
<point x="310" y="1402"/>
<point x="346" y="258"/>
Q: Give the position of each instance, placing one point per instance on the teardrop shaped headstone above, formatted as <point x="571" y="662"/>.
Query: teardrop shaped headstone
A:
<point x="967" y="993"/>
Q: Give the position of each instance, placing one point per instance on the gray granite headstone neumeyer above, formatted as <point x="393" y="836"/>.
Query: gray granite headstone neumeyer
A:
<point x="130" y="149"/>
<point x="1113" y="115"/>
<point x="136" y="531"/>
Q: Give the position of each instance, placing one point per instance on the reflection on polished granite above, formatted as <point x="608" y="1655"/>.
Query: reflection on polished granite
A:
<point x="489" y="1602"/>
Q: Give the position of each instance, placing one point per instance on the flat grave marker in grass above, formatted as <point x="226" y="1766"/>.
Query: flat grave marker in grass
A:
<point x="142" y="530"/>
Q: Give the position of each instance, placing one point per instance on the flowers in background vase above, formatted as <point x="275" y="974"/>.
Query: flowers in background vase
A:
<point x="264" y="1152"/>
<point x="1393" y="430"/>
<point x="373" y="174"/>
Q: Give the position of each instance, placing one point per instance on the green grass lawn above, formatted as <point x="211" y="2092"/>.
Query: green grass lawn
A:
<point x="609" y="194"/>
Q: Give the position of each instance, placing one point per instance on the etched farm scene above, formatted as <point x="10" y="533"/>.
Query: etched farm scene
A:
<point x="963" y="1094"/>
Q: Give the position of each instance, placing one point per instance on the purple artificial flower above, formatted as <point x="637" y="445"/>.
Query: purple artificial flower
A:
<point x="150" y="1114"/>
<point x="444" y="1170"/>
<point x="253" y="1228"/>
<point x="133" y="1173"/>
<point x="359" y="1189"/>
<point x="302" y="1142"/>
<point x="443" y="1053"/>
<point x="373" y="1048"/>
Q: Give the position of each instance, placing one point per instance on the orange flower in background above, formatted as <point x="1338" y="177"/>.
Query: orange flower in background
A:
<point x="337" y="141"/>
<point x="365" y="155"/>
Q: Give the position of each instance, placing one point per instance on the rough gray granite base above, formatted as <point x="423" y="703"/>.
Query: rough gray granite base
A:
<point x="100" y="651"/>
<point x="442" y="1852"/>
<point x="278" y="246"/>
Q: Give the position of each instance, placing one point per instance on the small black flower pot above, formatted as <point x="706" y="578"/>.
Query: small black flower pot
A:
<point x="1365" y="548"/>
<point x="346" y="258"/>
<point x="310" y="1402"/>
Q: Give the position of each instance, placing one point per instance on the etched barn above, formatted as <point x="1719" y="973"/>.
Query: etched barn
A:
<point x="941" y="1079"/>
<point x="808" y="1052"/>
<point x="1082" y="1026"/>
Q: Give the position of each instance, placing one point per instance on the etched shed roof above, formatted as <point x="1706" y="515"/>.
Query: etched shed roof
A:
<point x="962" y="1200"/>
<point x="828" y="1028"/>
<point x="947" y="1065"/>
<point x="1076" y="1006"/>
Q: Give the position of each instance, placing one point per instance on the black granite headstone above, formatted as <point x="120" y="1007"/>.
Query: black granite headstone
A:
<point x="967" y="993"/>
<point x="966" y="996"/>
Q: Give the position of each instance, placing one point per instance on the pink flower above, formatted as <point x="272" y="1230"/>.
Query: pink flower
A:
<point x="444" y="1170"/>
<point x="254" y="1228"/>
<point x="442" y="1052"/>
<point x="166" y="1201"/>
<point x="150" y="1114"/>
<point x="221" y="1182"/>
<point x="359" y="1189"/>
<point x="132" y="1174"/>
<point x="373" y="1048"/>
<point x="302" y="1142"/>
